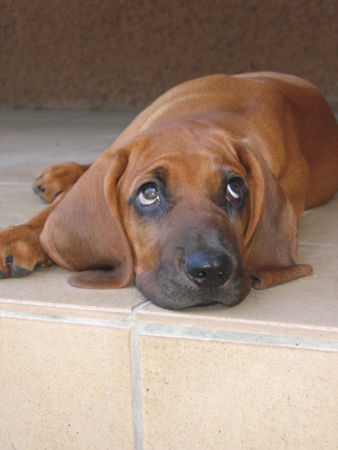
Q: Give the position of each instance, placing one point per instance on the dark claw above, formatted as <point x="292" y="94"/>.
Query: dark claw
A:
<point x="37" y="266"/>
<point x="18" y="271"/>
<point x="57" y="193"/>
<point x="15" y="271"/>
<point x="8" y="260"/>
<point x="42" y="197"/>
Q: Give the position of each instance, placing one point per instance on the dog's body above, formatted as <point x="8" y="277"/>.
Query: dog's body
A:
<point x="199" y="195"/>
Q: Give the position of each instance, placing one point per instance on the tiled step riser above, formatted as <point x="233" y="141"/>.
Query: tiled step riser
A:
<point x="90" y="384"/>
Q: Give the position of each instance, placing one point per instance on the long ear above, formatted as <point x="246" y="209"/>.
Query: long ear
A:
<point x="270" y="242"/>
<point x="85" y="231"/>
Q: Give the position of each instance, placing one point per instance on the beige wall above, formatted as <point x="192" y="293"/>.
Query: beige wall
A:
<point x="123" y="53"/>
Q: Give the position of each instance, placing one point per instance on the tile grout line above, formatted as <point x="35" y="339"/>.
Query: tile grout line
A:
<point x="135" y="360"/>
<point x="205" y="334"/>
<point x="67" y="319"/>
<point x="178" y="331"/>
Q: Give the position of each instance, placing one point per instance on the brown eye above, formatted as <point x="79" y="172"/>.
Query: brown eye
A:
<point x="234" y="190"/>
<point x="149" y="195"/>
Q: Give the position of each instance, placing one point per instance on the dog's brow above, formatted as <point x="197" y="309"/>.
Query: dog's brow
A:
<point x="227" y="172"/>
<point x="152" y="175"/>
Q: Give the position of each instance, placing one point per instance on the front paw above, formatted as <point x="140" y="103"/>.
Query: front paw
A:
<point x="56" y="179"/>
<point x="21" y="252"/>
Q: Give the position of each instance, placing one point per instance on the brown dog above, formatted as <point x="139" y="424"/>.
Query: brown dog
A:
<point x="199" y="195"/>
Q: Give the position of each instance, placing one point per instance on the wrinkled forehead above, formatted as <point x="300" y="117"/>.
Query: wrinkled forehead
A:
<point x="193" y="156"/>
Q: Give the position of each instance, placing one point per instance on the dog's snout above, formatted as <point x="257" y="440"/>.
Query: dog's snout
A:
<point x="207" y="268"/>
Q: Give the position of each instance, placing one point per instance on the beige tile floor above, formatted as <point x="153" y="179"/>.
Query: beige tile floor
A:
<point x="206" y="368"/>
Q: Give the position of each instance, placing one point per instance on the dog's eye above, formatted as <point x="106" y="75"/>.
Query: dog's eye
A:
<point x="149" y="195"/>
<point x="234" y="190"/>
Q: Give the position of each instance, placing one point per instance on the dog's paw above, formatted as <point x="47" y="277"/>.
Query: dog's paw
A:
<point x="56" y="179"/>
<point x="21" y="252"/>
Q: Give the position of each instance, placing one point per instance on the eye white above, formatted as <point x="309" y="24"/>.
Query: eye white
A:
<point x="149" y="195"/>
<point x="232" y="192"/>
<point x="147" y="201"/>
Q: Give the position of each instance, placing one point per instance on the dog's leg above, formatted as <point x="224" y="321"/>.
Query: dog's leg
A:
<point x="56" y="179"/>
<point x="20" y="249"/>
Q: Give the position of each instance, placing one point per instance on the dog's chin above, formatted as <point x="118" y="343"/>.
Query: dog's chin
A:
<point x="177" y="294"/>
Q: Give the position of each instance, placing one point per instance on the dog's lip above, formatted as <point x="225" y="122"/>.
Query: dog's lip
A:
<point x="168" y="279"/>
<point x="202" y="298"/>
<point x="176" y="305"/>
<point x="161" y="297"/>
<point x="166" y="301"/>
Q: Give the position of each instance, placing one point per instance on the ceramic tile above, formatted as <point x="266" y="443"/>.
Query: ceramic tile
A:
<point x="320" y="225"/>
<point x="18" y="203"/>
<point x="47" y="292"/>
<point x="32" y="140"/>
<point x="25" y="165"/>
<point x="64" y="387"/>
<point x="211" y="395"/>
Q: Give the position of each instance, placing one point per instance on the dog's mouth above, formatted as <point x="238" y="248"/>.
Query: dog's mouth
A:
<point x="177" y="291"/>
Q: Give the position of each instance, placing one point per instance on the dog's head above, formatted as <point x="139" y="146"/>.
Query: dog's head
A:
<point x="191" y="213"/>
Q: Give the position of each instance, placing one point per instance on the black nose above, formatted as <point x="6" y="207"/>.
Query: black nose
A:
<point x="208" y="268"/>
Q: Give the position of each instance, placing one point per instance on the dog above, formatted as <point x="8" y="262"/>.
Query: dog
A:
<point x="196" y="201"/>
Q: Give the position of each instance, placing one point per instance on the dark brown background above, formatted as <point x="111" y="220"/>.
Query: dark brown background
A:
<point x="121" y="54"/>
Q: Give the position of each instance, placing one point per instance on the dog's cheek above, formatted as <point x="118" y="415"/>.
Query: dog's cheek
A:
<point x="146" y="259"/>
<point x="143" y="239"/>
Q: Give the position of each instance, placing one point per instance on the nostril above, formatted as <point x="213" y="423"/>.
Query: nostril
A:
<point x="208" y="268"/>
<point x="201" y="275"/>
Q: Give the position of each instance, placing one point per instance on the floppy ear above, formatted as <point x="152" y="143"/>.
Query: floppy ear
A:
<point x="270" y="242"/>
<point x="85" y="231"/>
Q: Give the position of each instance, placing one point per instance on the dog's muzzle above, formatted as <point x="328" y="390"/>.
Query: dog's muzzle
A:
<point x="208" y="269"/>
